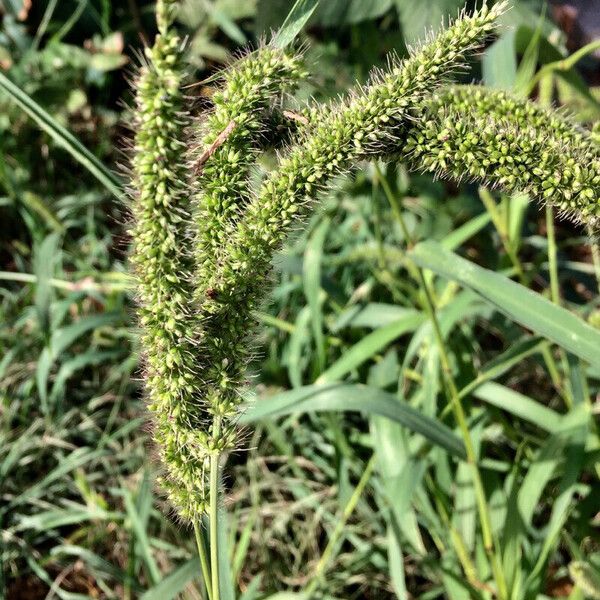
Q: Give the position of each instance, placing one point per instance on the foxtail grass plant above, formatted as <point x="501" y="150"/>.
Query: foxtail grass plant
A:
<point x="203" y="238"/>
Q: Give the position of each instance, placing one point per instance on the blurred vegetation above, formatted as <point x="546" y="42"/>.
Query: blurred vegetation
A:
<point x="80" y="516"/>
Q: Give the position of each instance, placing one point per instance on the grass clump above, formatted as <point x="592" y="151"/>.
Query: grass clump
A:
<point x="342" y="504"/>
<point x="205" y="240"/>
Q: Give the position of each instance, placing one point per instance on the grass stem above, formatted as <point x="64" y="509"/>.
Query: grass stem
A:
<point x="339" y="529"/>
<point x="214" y="515"/>
<point x="502" y="228"/>
<point x="555" y="297"/>
<point x="552" y="254"/>
<point x="455" y="401"/>
<point x="203" y="560"/>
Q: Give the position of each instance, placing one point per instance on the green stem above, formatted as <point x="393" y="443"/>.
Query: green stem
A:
<point x="214" y="514"/>
<point x="455" y="401"/>
<point x="490" y="205"/>
<point x="339" y="528"/>
<point x="595" y="254"/>
<point x="552" y="253"/>
<point x="203" y="560"/>
<point x="455" y="537"/>
<point x="461" y="419"/>
<point x="562" y="65"/>
<point x="39" y="34"/>
<point x="555" y="296"/>
<point x="72" y="20"/>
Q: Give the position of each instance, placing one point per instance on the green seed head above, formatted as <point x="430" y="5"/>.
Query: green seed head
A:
<point x="508" y="143"/>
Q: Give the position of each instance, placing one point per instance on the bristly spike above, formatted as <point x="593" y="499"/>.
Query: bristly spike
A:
<point x="164" y="267"/>
<point x="337" y="136"/>
<point x="228" y="143"/>
<point x="508" y="143"/>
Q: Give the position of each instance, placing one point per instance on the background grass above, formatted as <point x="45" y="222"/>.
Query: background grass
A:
<point x="339" y="504"/>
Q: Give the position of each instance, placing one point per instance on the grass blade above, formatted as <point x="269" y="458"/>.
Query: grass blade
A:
<point x="139" y="530"/>
<point x="294" y="22"/>
<point x="311" y="275"/>
<point x="519" y="405"/>
<point x="516" y="301"/>
<point x="361" y="398"/>
<point x="64" y="138"/>
<point x="370" y="345"/>
<point x="174" y="583"/>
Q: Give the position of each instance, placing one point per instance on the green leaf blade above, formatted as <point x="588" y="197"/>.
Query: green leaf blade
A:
<point x="360" y="398"/>
<point x="516" y="301"/>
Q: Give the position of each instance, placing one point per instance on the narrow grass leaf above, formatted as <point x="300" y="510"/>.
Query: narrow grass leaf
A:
<point x="295" y="350"/>
<point x="311" y="275"/>
<point x="346" y="397"/>
<point x="371" y="315"/>
<point x="36" y="204"/>
<point x="252" y="591"/>
<point x="543" y="466"/>
<point x="42" y="372"/>
<point x="519" y="405"/>
<point x="97" y="563"/>
<point x="62" y="137"/>
<point x="78" y="362"/>
<point x="294" y="22"/>
<point x="562" y="506"/>
<point x="77" y="458"/>
<point x="499" y="63"/>
<point x="505" y="361"/>
<point x="399" y="472"/>
<point x="464" y="516"/>
<point x="53" y="519"/>
<point x="243" y="545"/>
<point x="226" y="585"/>
<point x="516" y="301"/>
<point x="65" y="336"/>
<point x="174" y="582"/>
<point x="141" y="537"/>
<point x="396" y="562"/>
<point x="517" y="210"/>
<point x="528" y="64"/>
<point x="512" y="534"/>
<point x="27" y="440"/>
<point x="44" y="263"/>
<point x="465" y="232"/>
<point x="370" y="345"/>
